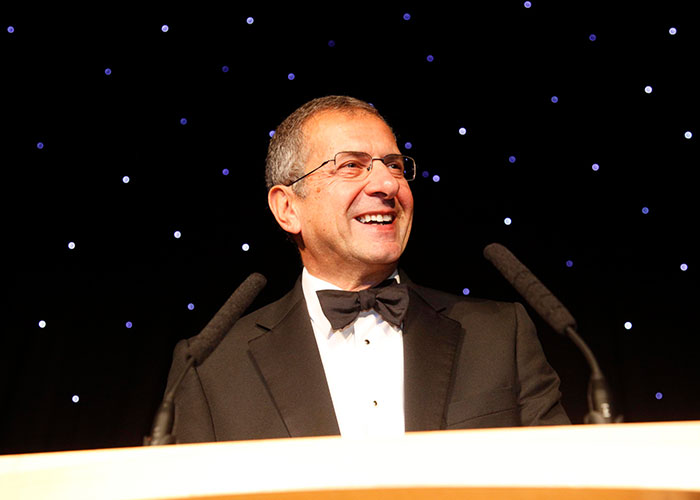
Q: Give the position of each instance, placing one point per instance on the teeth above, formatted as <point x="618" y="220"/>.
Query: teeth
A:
<point x="366" y="219"/>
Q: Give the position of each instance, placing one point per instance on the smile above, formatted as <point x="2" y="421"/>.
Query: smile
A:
<point x="375" y="219"/>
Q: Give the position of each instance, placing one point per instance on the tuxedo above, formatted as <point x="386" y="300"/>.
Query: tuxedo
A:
<point x="468" y="363"/>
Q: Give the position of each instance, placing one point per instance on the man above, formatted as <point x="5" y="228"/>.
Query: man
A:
<point x="410" y="359"/>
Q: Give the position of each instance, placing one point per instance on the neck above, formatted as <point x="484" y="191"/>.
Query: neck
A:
<point x="356" y="282"/>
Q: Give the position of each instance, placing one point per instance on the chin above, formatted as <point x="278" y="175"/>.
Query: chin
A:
<point x="382" y="258"/>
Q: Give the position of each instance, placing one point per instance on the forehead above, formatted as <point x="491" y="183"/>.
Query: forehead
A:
<point x="328" y="132"/>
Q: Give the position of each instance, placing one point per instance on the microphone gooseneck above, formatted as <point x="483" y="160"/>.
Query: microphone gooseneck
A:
<point x="561" y="320"/>
<point x="200" y="348"/>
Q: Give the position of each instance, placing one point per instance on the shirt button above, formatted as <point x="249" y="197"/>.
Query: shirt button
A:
<point x="375" y="402"/>
<point x="366" y="341"/>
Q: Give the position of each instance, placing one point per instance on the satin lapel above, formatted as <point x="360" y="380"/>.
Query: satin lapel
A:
<point x="288" y="359"/>
<point x="430" y="344"/>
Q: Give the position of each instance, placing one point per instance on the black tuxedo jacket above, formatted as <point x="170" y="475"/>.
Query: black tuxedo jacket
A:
<point x="468" y="363"/>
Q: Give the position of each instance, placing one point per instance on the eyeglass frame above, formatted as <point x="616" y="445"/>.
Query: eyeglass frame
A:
<point x="369" y="168"/>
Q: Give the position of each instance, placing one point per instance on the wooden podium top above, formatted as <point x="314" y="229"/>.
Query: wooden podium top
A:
<point x="659" y="460"/>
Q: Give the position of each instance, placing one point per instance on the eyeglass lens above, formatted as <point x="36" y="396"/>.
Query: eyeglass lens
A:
<point x="356" y="164"/>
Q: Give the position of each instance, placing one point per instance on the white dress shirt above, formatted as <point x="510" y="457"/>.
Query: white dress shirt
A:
<point x="363" y="365"/>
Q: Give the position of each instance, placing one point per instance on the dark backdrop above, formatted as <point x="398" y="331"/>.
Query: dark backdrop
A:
<point x="579" y="123"/>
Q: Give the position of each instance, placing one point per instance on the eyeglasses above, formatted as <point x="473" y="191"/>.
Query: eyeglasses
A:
<point x="354" y="165"/>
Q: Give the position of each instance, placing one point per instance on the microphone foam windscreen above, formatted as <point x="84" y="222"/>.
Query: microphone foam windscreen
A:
<point x="203" y="344"/>
<point x="531" y="289"/>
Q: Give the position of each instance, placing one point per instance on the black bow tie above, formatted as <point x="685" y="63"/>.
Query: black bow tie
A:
<point x="389" y="299"/>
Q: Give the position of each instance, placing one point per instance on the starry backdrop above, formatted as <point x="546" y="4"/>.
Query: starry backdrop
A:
<point x="133" y="201"/>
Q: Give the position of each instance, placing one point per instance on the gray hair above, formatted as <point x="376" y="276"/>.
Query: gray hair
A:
<point x="287" y="152"/>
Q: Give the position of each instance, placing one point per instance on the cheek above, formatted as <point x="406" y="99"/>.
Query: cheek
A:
<point x="406" y="201"/>
<point x="341" y="198"/>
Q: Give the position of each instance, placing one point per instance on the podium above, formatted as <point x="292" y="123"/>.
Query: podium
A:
<point x="623" y="461"/>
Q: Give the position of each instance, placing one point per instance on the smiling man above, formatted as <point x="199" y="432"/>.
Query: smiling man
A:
<point x="356" y="348"/>
<point x="351" y="217"/>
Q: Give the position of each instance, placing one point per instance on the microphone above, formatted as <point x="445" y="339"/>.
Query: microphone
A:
<point x="200" y="348"/>
<point x="560" y="319"/>
<point x="204" y="344"/>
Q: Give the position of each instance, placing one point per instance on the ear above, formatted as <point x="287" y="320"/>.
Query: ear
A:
<point x="283" y="204"/>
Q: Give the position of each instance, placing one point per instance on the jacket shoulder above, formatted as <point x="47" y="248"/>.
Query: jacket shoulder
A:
<point x="268" y="316"/>
<point x="452" y="305"/>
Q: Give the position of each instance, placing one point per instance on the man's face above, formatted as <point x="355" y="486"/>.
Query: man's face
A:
<point x="336" y="234"/>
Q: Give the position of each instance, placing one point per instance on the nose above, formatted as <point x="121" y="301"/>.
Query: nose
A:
<point x="381" y="182"/>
